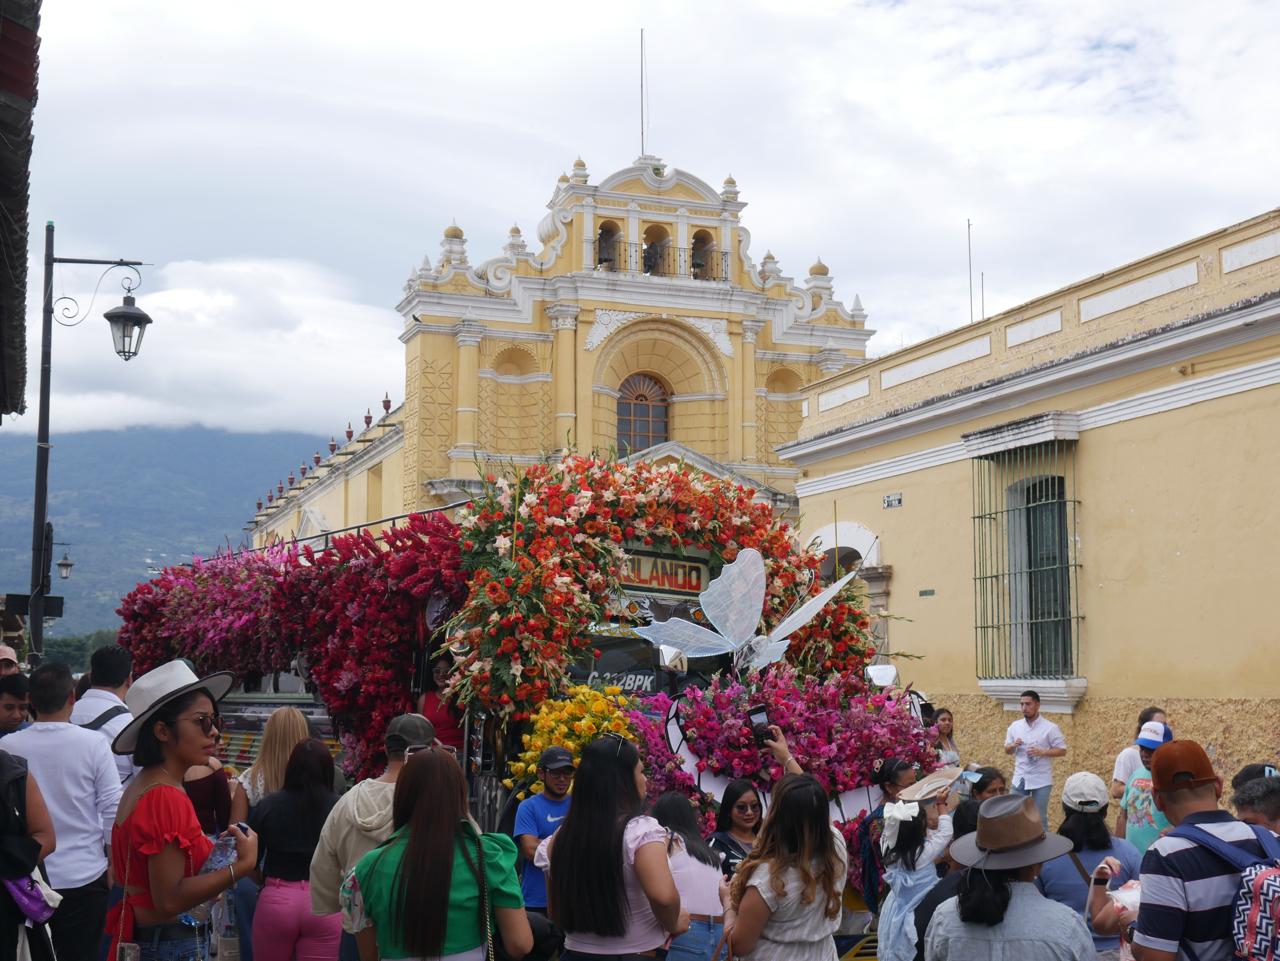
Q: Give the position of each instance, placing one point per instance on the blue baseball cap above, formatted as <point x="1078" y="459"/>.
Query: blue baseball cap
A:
<point x="1154" y="734"/>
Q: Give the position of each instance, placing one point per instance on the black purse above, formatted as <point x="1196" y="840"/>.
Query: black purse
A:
<point x="548" y="940"/>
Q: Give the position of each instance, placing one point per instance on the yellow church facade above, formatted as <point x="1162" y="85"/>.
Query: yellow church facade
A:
<point x="1078" y="496"/>
<point x="637" y="321"/>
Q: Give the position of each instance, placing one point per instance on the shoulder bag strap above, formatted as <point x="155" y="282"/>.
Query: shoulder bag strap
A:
<point x="111" y="712"/>
<point x="1237" y="857"/>
<point x="486" y="916"/>
<point x="1075" y="859"/>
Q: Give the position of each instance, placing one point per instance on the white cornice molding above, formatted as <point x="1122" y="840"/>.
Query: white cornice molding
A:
<point x="1111" y="362"/>
<point x="1058" y="695"/>
<point x="789" y="317"/>
<point x="1054" y="425"/>
<point x="1211" y="387"/>
<point x="535" y="378"/>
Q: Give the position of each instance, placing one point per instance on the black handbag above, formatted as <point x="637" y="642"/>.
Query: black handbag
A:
<point x="548" y="940"/>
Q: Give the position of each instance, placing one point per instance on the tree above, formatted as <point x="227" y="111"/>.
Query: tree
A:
<point x="75" y="651"/>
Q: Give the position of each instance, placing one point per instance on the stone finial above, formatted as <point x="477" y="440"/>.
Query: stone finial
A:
<point x="579" y="171"/>
<point x="730" y="189"/>
<point x="769" y="268"/>
<point x="515" y="245"/>
<point x="453" y="247"/>
<point x="819" y="269"/>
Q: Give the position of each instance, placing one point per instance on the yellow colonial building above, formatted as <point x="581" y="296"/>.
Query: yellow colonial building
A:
<point x="638" y="321"/>
<point x="1080" y="496"/>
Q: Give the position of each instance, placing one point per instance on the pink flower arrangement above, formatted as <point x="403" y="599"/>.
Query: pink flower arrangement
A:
<point x="836" y="727"/>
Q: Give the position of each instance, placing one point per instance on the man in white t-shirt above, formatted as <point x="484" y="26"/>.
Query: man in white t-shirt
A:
<point x="81" y="789"/>
<point x="102" y="708"/>
<point x="1034" y="742"/>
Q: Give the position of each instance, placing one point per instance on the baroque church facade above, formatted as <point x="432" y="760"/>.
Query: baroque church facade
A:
<point x="637" y="322"/>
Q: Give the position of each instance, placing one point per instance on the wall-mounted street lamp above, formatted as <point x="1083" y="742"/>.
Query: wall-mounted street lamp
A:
<point x="64" y="566"/>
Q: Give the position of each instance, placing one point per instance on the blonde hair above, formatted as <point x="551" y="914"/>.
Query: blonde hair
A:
<point x="796" y="834"/>
<point x="286" y="728"/>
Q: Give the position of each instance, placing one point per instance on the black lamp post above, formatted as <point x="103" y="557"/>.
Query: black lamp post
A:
<point x="128" y="324"/>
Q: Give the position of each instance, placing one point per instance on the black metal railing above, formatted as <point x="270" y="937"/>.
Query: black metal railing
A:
<point x="659" y="260"/>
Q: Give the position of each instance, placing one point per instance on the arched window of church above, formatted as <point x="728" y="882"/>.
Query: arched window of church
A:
<point x="643" y="413"/>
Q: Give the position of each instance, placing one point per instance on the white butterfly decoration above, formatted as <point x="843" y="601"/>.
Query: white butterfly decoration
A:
<point x="733" y="603"/>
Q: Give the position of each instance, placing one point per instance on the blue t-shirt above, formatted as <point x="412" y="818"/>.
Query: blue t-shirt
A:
<point x="538" y="816"/>
<point x="1060" y="880"/>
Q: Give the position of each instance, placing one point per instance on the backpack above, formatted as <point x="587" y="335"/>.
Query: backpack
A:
<point x="112" y="712"/>
<point x="1256" y="914"/>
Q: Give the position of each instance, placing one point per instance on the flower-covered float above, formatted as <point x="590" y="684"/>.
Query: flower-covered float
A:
<point x="545" y="576"/>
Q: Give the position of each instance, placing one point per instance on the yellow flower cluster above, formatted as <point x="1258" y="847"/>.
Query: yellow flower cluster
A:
<point x="582" y="715"/>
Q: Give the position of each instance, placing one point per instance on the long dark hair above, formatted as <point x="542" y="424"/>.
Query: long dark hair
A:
<point x="984" y="895"/>
<point x="732" y="794"/>
<point x="674" y="812"/>
<point x="938" y="745"/>
<point x="1086" y="829"/>
<point x="909" y="844"/>
<point x="430" y="803"/>
<point x="796" y="834"/>
<point x="586" y="886"/>
<point x="148" y="751"/>
<point x="310" y="774"/>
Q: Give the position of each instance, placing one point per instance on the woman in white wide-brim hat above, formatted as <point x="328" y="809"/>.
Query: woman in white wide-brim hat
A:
<point x="157" y="847"/>
<point x="999" y="912"/>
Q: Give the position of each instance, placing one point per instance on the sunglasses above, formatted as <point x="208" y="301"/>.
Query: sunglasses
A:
<point x="747" y="807"/>
<point x="413" y="749"/>
<point x="208" y="723"/>
<point x="618" y="739"/>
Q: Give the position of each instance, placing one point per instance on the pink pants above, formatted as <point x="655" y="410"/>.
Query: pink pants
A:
<point x="284" y="929"/>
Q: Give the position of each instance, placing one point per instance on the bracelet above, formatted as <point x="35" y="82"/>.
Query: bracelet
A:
<point x="232" y="869"/>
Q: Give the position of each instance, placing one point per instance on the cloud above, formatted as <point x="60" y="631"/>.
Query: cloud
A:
<point x="335" y="145"/>
<point x="242" y="345"/>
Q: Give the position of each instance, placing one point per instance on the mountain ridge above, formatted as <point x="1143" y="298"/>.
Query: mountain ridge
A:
<point x="127" y="501"/>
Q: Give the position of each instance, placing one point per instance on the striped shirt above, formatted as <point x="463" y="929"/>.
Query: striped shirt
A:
<point x="1189" y="893"/>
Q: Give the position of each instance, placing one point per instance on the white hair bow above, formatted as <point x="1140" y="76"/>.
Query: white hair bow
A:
<point x="895" y="812"/>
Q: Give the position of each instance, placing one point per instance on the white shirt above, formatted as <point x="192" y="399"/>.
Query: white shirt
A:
<point x="1127" y="763"/>
<point x="95" y="702"/>
<point x="1033" y="772"/>
<point x="797" y="931"/>
<point x="81" y="787"/>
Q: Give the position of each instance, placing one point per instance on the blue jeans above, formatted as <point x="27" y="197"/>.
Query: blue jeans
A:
<point x="697" y="943"/>
<point x="347" y="950"/>
<point x="1041" y="796"/>
<point x="244" y="897"/>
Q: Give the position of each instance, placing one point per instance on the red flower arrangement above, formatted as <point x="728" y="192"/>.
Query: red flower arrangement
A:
<point x="546" y="550"/>
<point x="354" y="613"/>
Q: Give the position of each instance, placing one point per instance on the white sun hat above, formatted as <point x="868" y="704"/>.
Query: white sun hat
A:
<point x="157" y="688"/>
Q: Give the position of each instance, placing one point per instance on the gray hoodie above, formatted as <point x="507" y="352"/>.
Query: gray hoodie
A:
<point x="358" y="823"/>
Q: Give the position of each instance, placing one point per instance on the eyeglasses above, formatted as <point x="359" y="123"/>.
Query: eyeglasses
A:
<point x="413" y="749"/>
<point x="208" y="723"/>
<point x="746" y="807"/>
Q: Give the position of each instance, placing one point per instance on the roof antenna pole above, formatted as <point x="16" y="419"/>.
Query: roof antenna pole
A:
<point x="982" y="287"/>
<point x="968" y="224"/>
<point x="642" y="153"/>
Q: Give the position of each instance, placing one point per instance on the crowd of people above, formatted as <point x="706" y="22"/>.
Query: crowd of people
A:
<point x="119" y="828"/>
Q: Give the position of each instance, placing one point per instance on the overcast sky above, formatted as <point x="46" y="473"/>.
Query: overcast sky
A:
<point x="284" y="164"/>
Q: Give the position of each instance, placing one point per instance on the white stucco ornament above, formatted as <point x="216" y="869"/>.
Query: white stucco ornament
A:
<point x="609" y="322"/>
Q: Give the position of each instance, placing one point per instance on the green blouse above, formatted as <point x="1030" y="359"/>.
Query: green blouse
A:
<point x="370" y="891"/>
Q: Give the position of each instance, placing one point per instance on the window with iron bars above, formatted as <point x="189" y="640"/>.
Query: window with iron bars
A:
<point x="1024" y="561"/>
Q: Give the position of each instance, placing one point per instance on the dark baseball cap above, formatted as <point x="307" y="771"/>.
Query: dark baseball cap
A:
<point x="555" y="759"/>
<point x="1179" y="765"/>
<point x="408" y="729"/>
